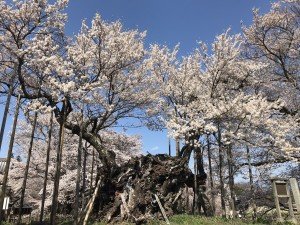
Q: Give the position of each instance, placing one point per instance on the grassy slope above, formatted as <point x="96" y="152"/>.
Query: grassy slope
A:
<point x="193" y="220"/>
<point x="196" y="220"/>
<point x="182" y="220"/>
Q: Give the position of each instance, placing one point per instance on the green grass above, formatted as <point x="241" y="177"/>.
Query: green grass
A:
<point x="185" y="220"/>
<point x="198" y="220"/>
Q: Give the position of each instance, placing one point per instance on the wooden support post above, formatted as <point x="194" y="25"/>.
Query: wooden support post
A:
<point x="162" y="209"/>
<point x="169" y="147"/>
<point x="8" y="158"/>
<point x="92" y="173"/>
<point x="78" y="180"/>
<point x="196" y="208"/>
<point x="211" y="179"/>
<point x="58" y="165"/>
<point x="231" y="180"/>
<point x="279" y="217"/>
<point x="90" y="205"/>
<point x="291" y="218"/>
<point x="23" y="189"/>
<point x="85" y="152"/>
<point x="47" y="168"/>
<point x="221" y="175"/>
<point x="296" y="193"/>
<point x="252" y="189"/>
<point x="6" y="109"/>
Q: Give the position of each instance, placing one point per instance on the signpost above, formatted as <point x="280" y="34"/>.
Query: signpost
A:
<point x="5" y="203"/>
<point x="282" y="195"/>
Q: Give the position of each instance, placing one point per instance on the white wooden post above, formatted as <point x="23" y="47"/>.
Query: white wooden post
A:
<point x="296" y="193"/>
<point x="162" y="209"/>
<point x="279" y="217"/>
<point x="291" y="218"/>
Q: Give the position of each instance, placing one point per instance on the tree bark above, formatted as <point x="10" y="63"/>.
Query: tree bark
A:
<point x="58" y="166"/>
<point x="46" y="169"/>
<point x="137" y="179"/>
<point x="8" y="158"/>
<point x="177" y="147"/>
<point x="23" y="189"/>
<point x="203" y="201"/>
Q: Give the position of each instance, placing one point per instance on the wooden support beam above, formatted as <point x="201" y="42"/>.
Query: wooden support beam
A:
<point x="23" y="189"/>
<point x="8" y="158"/>
<point x="162" y="209"/>
<point x="90" y="205"/>
<point x="7" y="104"/>
<point x="57" y="174"/>
<point x="296" y="193"/>
<point x="46" y="168"/>
<point x="78" y="177"/>
<point x="291" y="218"/>
<point x="279" y="217"/>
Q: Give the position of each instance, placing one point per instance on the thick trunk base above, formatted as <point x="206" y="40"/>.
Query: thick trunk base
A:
<point x="129" y="193"/>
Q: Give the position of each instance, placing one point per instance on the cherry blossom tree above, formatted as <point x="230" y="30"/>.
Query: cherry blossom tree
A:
<point x="214" y="93"/>
<point x="101" y="67"/>
<point x="273" y="39"/>
<point x="241" y="92"/>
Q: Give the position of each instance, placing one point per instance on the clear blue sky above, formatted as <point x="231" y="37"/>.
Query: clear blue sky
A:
<point x="167" y="22"/>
